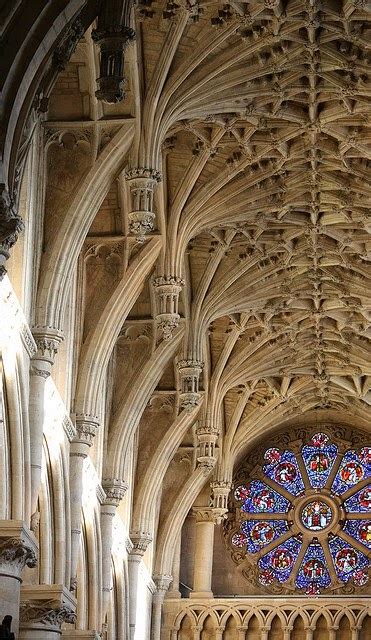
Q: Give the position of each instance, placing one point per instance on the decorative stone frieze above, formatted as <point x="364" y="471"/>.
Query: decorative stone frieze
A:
<point x="189" y="374"/>
<point x="142" y="183"/>
<point x="168" y="289"/>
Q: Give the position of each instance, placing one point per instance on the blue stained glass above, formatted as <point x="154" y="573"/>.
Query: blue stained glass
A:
<point x="263" y="499"/>
<point x="360" y="530"/>
<point x="259" y="533"/>
<point x="359" y="502"/>
<point x="286" y="473"/>
<point x="313" y="570"/>
<point x="281" y="560"/>
<point x="319" y="461"/>
<point x="351" y="471"/>
<point x="346" y="559"/>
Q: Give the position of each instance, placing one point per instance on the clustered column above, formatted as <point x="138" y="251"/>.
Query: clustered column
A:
<point x="189" y="376"/>
<point x="86" y="427"/>
<point x="168" y="289"/>
<point x="47" y="342"/>
<point x="115" y="490"/>
<point x="162" y="583"/>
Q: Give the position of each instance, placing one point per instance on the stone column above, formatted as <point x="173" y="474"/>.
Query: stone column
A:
<point x="141" y="541"/>
<point x="44" y="608"/>
<point x="162" y="583"/>
<point x="174" y="591"/>
<point x="17" y="550"/>
<point x="86" y="427"/>
<point x="204" y="548"/>
<point x="189" y="375"/>
<point x="47" y="342"/>
<point x="142" y="183"/>
<point x="115" y="490"/>
<point x="168" y="289"/>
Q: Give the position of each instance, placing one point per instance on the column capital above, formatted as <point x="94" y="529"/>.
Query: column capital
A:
<point x="204" y="514"/>
<point x="141" y="541"/>
<point x="18" y="548"/>
<point x="48" y="340"/>
<point x="46" y="605"/>
<point x="162" y="581"/>
<point x="115" y="490"/>
<point x="86" y="428"/>
<point x="11" y="225"/>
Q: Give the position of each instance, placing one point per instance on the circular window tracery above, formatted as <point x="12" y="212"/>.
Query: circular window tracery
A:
<point x="307" y="517"/>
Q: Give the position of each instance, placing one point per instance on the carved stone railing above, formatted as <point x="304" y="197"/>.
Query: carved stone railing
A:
<point x="257" y="612"/>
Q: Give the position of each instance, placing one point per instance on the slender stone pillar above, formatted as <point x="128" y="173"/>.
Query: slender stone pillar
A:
<point x="86" y="427"/>
<point x="115" y="490"/>
<point x="174" y="591"/>
<point x="162" y="583"/>
<point x="204" y="548"/>
<point x="17" y="550"/>
<point x="47" y="342"/>
<point x="141" y="541"/>
<point x="44" y="608"/>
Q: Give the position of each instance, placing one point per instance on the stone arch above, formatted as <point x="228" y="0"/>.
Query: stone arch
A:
<point x="344" y="628"/>
<point x="208" y="624"/>
<point x="321" y="624"/>
<point x="276" y="627"/>
<point x="298" y="628"/>
<point x="231" y="627"/>
<point x="186" y="626"/>
<point x="365" y="626"/>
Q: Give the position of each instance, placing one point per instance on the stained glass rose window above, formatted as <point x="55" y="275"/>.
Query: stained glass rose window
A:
<point x="307" y="519"/>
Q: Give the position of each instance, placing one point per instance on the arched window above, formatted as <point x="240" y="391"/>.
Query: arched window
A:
<point x="305" y="517"/>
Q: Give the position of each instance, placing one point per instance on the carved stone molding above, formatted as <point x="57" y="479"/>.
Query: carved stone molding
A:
<point x="66" y="48"/>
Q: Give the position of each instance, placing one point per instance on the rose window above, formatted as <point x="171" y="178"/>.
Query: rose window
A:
<point x="306" y="521"/>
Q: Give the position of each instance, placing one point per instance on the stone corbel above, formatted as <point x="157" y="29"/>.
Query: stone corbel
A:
<point x="207" y="436"/>
<point x="189" y="374"/>
<point x="168" y="289"/>
<point x="44" y="608"/>
<point x="142" y="183"/>
<point x="220" y="489"/>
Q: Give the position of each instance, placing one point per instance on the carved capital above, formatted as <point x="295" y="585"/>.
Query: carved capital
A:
<point x="115" y="490"/>
<point x="204" y="514"/>
<point x="48" y="340"/>
<point x="141" y="541"/>
<point x="162" y="581"/>
<point x="11" y="225"/>
<point x="86" y="428"/>
<point x="45" y="613"/>
<point x="15" y="554"/>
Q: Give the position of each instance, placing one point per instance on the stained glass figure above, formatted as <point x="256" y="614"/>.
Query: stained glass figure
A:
<point x="313" y="573"/>
<point x="316" y="514"/>
<point x="239" y="540"/>
<point x="286" y="473"/>
<point x="263" y="499"/>
<point x="319" y="457"/>
<point x="346" y="559"/>
<point x="281" y="560"/>
<point x="359" y="502"/>
<point x="262" y="532"/>
<point x="350" y="472"/>
<point x="360" y="530"/>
